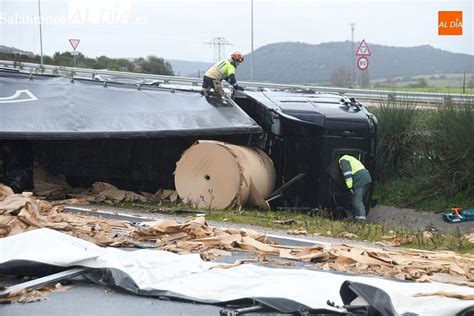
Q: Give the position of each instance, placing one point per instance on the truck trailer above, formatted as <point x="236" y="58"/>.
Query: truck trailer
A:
<point x="132" y="134"/>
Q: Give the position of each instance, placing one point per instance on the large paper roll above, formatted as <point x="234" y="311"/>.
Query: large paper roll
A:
<point x="219" y="175"/>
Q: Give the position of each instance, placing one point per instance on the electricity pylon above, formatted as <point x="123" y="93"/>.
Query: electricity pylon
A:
<point x="218" y="43"/>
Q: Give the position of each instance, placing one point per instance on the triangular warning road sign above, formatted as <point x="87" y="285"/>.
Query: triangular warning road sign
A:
<point x="363" y="49"/>
<point x="74" y="42"/>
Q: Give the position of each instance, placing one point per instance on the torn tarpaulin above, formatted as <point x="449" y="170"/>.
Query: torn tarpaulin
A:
<point x="160" y="273"/>
<point x="86" y="110"/>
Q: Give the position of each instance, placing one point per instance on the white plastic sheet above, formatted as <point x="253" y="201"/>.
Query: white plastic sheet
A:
<point x="189" y="276"/>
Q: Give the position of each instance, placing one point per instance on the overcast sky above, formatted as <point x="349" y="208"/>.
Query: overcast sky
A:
<point x="179" y="29"/>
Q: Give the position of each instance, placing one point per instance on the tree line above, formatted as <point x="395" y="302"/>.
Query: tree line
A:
<point x="151" y="64"/>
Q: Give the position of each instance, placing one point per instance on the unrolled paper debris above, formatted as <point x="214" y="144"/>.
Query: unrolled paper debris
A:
<point x="23" y="212"/>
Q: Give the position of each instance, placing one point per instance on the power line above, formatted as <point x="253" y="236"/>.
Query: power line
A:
<point x="218" y="43"/>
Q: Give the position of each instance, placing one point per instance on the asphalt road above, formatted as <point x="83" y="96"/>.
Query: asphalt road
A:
<point x="85" y="298"/>
<point x="418" y="220"/>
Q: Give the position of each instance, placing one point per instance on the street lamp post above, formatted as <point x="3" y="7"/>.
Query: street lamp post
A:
<point x="353" y="52"/>
<point x="41" y="32"/>
<point x="251" y="40"/>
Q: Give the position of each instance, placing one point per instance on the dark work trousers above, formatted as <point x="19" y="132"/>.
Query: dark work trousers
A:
<point x="209" y="83"/>
<point x="358" y="199"/>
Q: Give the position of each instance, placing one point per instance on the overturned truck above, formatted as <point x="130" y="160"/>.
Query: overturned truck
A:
<point x="132" y="135"/>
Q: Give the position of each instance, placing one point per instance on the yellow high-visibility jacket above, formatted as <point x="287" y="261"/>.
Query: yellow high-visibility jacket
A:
<point x="354" y="172"/>
<point x="223" y="69"/>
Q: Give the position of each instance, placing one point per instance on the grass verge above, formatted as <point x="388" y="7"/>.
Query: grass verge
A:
<point x="322" y="226"/>
<point x="417" y="194"/>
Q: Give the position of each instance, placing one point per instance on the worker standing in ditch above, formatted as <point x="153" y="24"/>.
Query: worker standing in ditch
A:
<point x="222" y="70"/>
<point x="357" y="180"/>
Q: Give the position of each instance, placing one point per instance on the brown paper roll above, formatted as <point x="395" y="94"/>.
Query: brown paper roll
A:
<point x="218" y="175"/>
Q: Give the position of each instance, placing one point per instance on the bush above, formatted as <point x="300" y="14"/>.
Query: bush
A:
<point x="452" y="143"/>
<point x="398" y="137"/>
<point x="425" y="158"/>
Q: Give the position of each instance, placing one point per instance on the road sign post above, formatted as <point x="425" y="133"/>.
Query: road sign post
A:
<point x="363" y="63"/>
<point x="363" y="52"/>
<point x="74" y="43"/>
<point x="363" y="49"/>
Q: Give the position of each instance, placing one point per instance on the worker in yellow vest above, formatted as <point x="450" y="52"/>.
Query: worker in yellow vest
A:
<point x="222" y="70"/>
<point x="357" y="180"/>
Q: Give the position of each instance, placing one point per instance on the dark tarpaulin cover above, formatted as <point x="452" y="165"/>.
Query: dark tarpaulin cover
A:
<point x="50" y="107"/>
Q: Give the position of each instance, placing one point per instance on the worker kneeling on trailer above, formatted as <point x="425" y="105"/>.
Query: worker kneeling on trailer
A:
<point x="357" y="180"/>
<point x="222" y="70"/>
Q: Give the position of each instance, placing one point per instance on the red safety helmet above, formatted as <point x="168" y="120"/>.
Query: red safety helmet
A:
<point x="237" y="56"/>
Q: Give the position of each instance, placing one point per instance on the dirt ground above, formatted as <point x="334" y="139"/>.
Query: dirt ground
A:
<point x="409" y="218"/>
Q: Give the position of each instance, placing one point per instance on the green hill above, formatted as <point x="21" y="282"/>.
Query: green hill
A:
<point x="292" y="62"/>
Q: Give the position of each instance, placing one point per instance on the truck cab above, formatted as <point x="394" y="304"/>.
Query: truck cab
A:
<point x="305" y="132"/>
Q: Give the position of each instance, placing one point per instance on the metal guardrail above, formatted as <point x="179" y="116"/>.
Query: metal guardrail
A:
<point x="360" y="94"/>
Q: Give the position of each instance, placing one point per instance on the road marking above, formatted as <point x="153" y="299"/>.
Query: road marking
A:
<point x="13" y="98"/>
